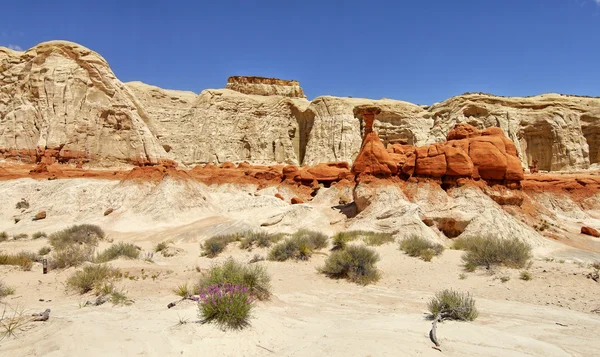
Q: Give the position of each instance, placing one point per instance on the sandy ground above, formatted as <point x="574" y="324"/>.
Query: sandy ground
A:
<point x="309" y="314"/>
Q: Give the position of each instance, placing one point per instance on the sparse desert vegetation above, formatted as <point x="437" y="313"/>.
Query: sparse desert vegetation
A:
<point x="215" y="245"/>
<point x="3" y="236"/>
<point x="354" y="263"/>
<point x="257" y="239"/>
<point x="255" y="277"/>
<point x="228" y="305"/>
<point x="20" y="236"/>
<point x="88" y="234"/>
<point x="5" y="290"/>
<point x="118" y="250"/>
<point x="38" y="235"/>
<point x="93" y="277"/>
<point x="300" y="246"/>
<point x="341" y="240"/>
<point x="449" y="304"/>
<point x="416" y="246"/>
<point x="490" y="251"/>
<point x="23" y="259"/>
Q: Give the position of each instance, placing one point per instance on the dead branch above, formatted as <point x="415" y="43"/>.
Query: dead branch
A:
<point x="432" y="334"/>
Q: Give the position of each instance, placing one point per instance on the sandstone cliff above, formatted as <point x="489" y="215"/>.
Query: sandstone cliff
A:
<point x="60" y="101"/>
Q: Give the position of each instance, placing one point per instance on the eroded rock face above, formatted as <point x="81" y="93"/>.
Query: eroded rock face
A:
<point x="265" y="86"/>
<point x="60" y="101"/>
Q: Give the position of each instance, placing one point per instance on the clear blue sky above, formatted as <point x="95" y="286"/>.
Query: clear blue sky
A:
<point x="421" y="51"/>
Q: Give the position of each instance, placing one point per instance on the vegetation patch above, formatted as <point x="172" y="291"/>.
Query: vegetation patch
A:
<point x="20" y="236"/>
<point x="354" y="263"/>
<point x="416" y="246"/>
<point x="213" y="246"/>
<point x="525" y="275"/>
<point x="23" y="259"/>
<point x="341" y="239"/>
<point x="38" y="235"/>
<point x="71" y="256"/>
<point x="299" y="246"/>
<point x="487" y="252"/>
<point x="5" y="290"/>
<point x="228" y="305"/>
<point x="88" y="234"/>
<point x="115" y="251"/>
<point x="255" y="277"/>
<point x="3" y="236"/>
<point x="44" y="251"/>
<point x="259" y="239"/>
<point x="453" y="305"/>
<point x="93" y="277"/>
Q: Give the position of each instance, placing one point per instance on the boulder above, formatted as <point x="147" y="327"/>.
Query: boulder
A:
<point x="40" y="215"/>
<point x="590" y="231"/>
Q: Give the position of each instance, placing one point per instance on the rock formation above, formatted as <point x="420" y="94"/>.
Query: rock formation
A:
<point x="60" y="101"/>
<point x="265" y="86"/>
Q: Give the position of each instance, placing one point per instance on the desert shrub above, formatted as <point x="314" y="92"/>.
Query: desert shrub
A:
<point x="255" y="277"/>
<point x="38" y="235"/>
<point x="71" y="256"/>
<point x="259" y="239"/>
<point x="3" y="236"/>
<point x="355" y="263"/>
<point x="525" y="275"/>
<point x="183" y="290"/>
<point x="5" y="290"/>
<point x="215" y="245"/>
<point x="92" y="277"/>
<point x="453" y="305"/>
<point x="228" y="305"/>
<point x="81" y="234"/>
<point x="416" y="246"/>
<point x="44" y="251"/>
<point x="118" y="297"/>
<point x="595" y="265"/>
<point x="161" y="246"/>
<point x="488" y="252"/>
<point x="315" y="239"/>
<point x="341" y="239"/>
<point x="20" y="236"/>
<point x="23" y="259"/>
<point x="118" y="250"/>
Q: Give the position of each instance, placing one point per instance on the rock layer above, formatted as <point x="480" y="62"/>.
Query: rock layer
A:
<point x="265" y="86"/>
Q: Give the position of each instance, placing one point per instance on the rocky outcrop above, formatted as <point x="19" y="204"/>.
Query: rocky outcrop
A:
<point x="468" y="153"/>
<point x="590" y="231"/>
<point x="265" y="86"/>
<point x="61" y="102"/>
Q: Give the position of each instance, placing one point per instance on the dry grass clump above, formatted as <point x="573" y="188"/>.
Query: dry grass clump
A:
<point x="71" y="256"/>
<point x="488" y="251"/>
<point x="525" y="275"/>
<point x="23" y="259"/>
<point x="255" y="277"/>
<point x="161" y="246"/>
<point x="228" y="305"/>
<point x="44" y="251"/>
<point x="453" y="305"/>
<point x="183" y="290"/>
<point x="88" y="234"/>
<point x="299" y="246"/>
<point x="416" y="246"/>
<point x="20" y="236"/>
<point x="259" y="239"/>
<point x="38" y="235"/>
<point x="3" y="236"/>
<point x="341" y="239"/>
<point x="215" y="245"/>
<point x="5" y="290"/>
<point x="93" y="277"/>
<point x="355" y="263"/>
<point x="118" y="250"/>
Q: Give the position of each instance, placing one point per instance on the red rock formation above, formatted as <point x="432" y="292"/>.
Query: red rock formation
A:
<point x="590" y="231"/>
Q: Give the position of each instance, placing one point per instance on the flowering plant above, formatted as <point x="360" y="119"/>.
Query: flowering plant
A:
<point x="226" y="304"/>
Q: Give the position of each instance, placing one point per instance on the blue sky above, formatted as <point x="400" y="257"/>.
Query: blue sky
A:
<point x="421" y="51"/>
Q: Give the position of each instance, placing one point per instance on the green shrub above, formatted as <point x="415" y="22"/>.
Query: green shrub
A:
<point x="3" y="236"/>
<point x="23" y="259"/>
<point x="416" y="246"/>
<point x="92" y="277"/>
<point x="183" y="290"/>
<point x="315" y="240"/>
<point x="115" y="251"/>
<point x="525" y="275"/>
<point x="38" y="235"/>
<point x="228" y="305"/>
<point x="355" y="263"/>
<point x="453" y="305"/>
<point x="81" y="234"/>
<point x="215" y="245"/>
<point x="118" y="297"/>
<point x="488" y="252"/>
<point x="20" y="236"/>
<point x="299" y="246"/>
<point x="255" y="277"/>
<point x="44" y="251"/>
<point x="161" y="246"/>
<point x="341" y="239"/>
<point x="71" y="256"/>
<point x="5" y="290"/>
<point x="259" y="239"/>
